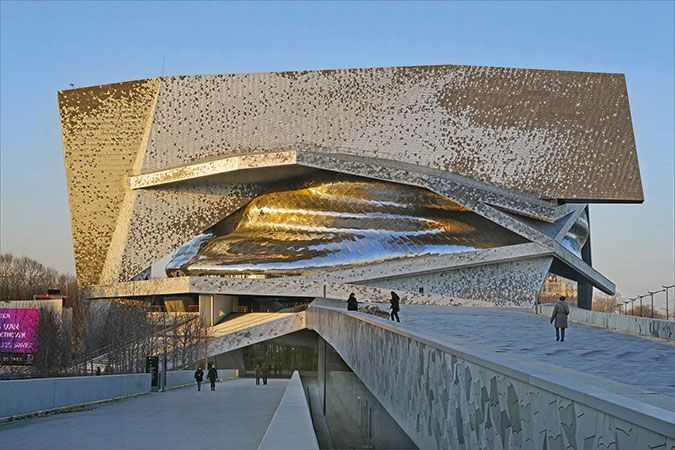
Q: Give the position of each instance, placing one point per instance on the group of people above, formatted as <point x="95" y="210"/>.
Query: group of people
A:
<point x="560" y="312"/>
<point x="558" y="318"/>
<point x="211" y="375"/>
<point x="353" y="305"/>
<point x="261" y="371"/>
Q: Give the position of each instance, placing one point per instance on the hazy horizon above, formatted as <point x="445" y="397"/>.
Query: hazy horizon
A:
<point x="46" y="46"/>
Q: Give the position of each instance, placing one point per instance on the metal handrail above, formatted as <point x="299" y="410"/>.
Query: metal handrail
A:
<point x="108" y="348"/>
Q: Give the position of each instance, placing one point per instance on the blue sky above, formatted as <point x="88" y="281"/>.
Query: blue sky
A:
<point x="44" y="46"/>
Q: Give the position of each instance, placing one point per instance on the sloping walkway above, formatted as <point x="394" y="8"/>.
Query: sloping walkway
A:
<point x="235" y="416"/>
<point x="243" y="321"/>
<point x="252" y="328"/>
<point x="638" y="361"/>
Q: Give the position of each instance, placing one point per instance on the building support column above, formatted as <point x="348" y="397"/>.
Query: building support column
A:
<point x="585" y="290"/>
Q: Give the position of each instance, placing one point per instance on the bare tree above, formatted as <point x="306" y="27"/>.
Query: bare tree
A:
<point x="49" y="358"/>
<point x="23" y="277"/>
<point x="609" y="304"/>
<point x="117" y="334"/>
<point x="646" y="311"/>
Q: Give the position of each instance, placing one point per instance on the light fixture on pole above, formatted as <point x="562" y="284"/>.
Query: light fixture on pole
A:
<point x="163" y="378"/>
<point x="651" y="294"/>
<point x="642" y="311"/>
<point x="665" y="288"/>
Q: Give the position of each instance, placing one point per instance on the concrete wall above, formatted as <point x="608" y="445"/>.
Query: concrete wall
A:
<point x="176" y="378"/>
<point x="354" y="417"/>
<point x="291" y="426"/>
<point x="447" y="396"/>
<point x="642" y="326"/>
<point x="214" y="308"/>
<point x="231" y="360"/>
<point x="42" y="394"/>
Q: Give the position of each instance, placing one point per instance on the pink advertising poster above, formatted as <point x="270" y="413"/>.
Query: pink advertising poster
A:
<point x="18" y="330"/>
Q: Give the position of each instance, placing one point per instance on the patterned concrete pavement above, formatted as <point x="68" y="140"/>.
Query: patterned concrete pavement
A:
<point x="632" y="360"/>
<point x="235" y="416"/>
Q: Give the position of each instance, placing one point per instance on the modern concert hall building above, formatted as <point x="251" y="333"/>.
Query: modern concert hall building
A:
<point x="258" y="202"/>
<point x="454" y="185"/>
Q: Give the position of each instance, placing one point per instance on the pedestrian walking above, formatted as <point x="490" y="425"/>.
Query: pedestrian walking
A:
<point x="352" y="303"/>
<point x="257" y="371"/>
<point x="212" y="375"/>
<point x="199" y="377"/>
<point x="395" y="308"/>
<point x="559" y="316"/>
<point x="265" y="372"/>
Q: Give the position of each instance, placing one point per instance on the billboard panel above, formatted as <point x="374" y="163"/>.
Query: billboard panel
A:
<point x="18" y="330"/>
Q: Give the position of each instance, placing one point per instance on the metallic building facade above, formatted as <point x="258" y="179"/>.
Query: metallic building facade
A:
<point x="329" y="224"/>
<point x="450" y="183"/>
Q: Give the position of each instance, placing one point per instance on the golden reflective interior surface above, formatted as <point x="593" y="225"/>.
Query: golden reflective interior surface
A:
<point x="335" y="221"/>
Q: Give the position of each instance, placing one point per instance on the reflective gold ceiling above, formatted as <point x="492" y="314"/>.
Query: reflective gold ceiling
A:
<point x="337" y="221"/>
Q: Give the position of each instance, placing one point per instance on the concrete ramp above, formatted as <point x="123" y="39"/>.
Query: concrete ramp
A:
<point x="447" y="394"/>
<point x="252" y="328"/>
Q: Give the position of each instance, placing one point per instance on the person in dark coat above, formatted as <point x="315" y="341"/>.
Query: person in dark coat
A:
<point x="212" y="376"/>
<point x="395" y="308"/>
<point x="199" y="377"/>
<point x="559" y="316"/>
<point x="352" y="303"/>
<point x="257" y="371"/>
<point x="265" y="372"/>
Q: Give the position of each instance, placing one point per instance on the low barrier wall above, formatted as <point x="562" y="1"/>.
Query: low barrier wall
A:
<point x="641" y="326"/>
<point x="177" y="378"/>
<point x="19" y="397"/>
<point x="447" y="395"/>
<point x="291" y="426"/>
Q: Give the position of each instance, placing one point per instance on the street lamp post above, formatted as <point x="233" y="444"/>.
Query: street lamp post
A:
<point x="163" y="383"/>
<point x="651" y="294"/>
<point x="632" y="306"/>
<point x="665" y="288"/>
<point x="642" y="311"/>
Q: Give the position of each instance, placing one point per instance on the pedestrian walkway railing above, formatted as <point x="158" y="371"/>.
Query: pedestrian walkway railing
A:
<point x="637" y="306"/>
<point x="41" y="395"/>
<point x="27" y="397"/>
<point x="100" y="358"/>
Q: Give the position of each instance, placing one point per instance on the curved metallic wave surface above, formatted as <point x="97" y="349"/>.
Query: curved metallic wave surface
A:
<point x="335" y="222"/>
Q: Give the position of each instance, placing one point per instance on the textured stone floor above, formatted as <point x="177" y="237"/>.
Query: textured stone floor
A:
<point x="627" y="359"/>
<point x="235" y="416"/>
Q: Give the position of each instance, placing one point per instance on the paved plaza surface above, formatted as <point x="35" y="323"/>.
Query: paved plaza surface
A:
<point x="235" y="416"/>
<point x="638" y="361"/>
